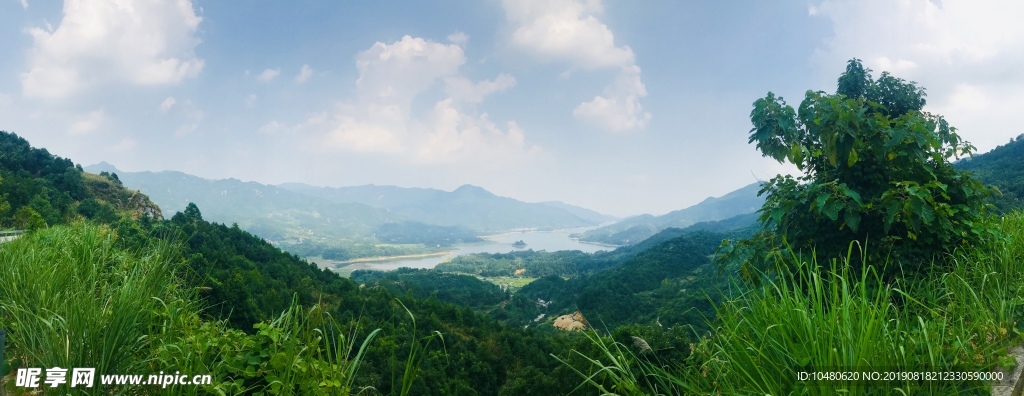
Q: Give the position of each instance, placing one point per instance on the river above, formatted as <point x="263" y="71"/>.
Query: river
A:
<point x="502" y="243"/>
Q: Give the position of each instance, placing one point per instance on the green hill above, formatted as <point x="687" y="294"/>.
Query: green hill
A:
<point x="39" y="189"/>
<point x="1002" y="167"/>
<point x="635" y="229"/>
<point x="467" y="206"/>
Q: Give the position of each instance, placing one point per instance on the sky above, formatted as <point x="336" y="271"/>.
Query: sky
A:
<point x="623" y="107"/>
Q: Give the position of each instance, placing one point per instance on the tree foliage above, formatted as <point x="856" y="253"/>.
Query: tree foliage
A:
<point x="875" y="167"/>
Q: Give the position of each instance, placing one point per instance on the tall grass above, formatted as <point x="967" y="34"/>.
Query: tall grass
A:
<point x="72" y="297"/>
<point x="69" y="298"/>
<point x="301" y="352"/>
<point x="962" y="316"/>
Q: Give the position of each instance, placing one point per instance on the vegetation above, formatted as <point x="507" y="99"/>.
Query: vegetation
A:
<point x="875" y="166"/>
<point x="823" y="316"/>
<point x="1002" y="168"/>
<point x="462" y="290"/>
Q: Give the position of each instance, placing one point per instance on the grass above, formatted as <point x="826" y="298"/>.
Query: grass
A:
<point x="962" y="316"/>
<point x="71" y="297"/>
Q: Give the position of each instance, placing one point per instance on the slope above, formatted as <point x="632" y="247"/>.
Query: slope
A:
<point x="639" y="228"/>
<point x="1002" y="167"/>
<point x="467" y="206"/>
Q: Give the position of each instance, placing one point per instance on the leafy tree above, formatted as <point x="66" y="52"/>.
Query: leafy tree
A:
<point x="875" y="168"/>
<point x="28" y="219"/>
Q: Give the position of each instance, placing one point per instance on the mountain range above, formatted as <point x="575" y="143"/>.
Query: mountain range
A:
<point x="467" y="206"/>
<point x="638" y="228"/>
<point x="309" y="216"/>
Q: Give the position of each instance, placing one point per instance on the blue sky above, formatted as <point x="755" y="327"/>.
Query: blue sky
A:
<point x="623" y="107"/>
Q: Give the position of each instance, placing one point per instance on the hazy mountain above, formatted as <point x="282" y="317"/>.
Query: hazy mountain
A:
<point x="467" y="206"/>
<point x="635" y="229"/>
<point x="582" y="212"/>
<point x="273" y="213"/>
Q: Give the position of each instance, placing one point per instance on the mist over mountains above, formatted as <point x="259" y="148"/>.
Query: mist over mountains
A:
<point x="638" y="228"/>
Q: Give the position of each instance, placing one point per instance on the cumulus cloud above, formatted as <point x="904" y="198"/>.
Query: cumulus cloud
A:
<point x="399" y="71"/>
<point x="167" y="104"/>
<point x="268" y="75"/>
<point x="113" y="41"/>
<point x="381" y="118"/>
<point x="24" y="4"/>
<point x="566" y="30"/>
<point x="968" y="54"/>
<point x="619" y="109"/>
<point x="466" y="90"/>
<point x="570" y="32"/>
<point x="458" y="38"/>
<point x="456" y="136"/>
<point x="304" y="74"/>
<point x="90" y="122"/>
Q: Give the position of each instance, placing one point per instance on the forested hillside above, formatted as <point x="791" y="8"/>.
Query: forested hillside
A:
<point x="1003" y="167"/>
<point x="635" y="229"/>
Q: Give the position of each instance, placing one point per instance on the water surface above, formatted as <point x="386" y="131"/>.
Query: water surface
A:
<point x="537" y="240"/>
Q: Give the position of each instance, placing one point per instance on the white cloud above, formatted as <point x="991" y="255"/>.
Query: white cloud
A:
<point x="455" y="136"/>
<point x="113" y="41"/>
<point x="458" y="38"/>
<point x="399" y="71"/>
<point x="463" y="89"/>
<point x="250" y="101"/>
<point x="381" y="118"/>
<point x="566" y="30"/>
<point x="268" y="75"/>
<point x="619" y="109"/>
<point x="570" y="32"/>
<point x="167" y="104"/>
<point x="90" y="122"/>
<point x="24" y="4"/>
<point x="304" y="74"/>
<point x="968" y="54"/>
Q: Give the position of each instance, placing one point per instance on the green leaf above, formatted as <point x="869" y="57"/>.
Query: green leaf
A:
<point x="852" y="218"/>
<point x="852" y="159"/>
<point x="819" y="203"/>
<point x="832" y="210"/>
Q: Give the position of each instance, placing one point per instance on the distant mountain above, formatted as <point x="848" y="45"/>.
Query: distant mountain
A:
<point x="582" y="212"/>
<point x="280" y="215"/>
<point x="1002" y="167"/>
<point x="467" y="206"/>
<point x="635" y="229"/>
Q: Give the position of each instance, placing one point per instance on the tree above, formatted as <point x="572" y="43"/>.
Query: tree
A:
<point x="875" y="168"/>
<point x="27" y="219"/>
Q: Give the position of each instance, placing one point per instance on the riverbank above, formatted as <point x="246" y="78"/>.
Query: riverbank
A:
<point x="388" y="258"/>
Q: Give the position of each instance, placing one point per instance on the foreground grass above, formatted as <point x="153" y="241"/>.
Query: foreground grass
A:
<point x="72" y="297"/>
<point x="821" y="318"/>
